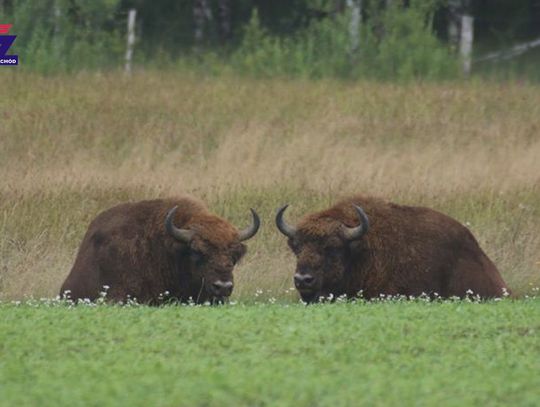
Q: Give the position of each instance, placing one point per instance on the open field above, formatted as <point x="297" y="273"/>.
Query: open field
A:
<point x="71" y="146"/>
<point x="412" y="353"/>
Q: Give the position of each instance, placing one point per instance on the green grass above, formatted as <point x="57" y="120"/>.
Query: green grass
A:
<point x="345" y="354"/>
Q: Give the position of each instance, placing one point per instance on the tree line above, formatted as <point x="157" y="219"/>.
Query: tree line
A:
<point x="65" y="34"/>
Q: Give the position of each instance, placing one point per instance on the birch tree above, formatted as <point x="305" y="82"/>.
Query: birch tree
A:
<point x="202" y="16"/>
<point x="224" y="11"/>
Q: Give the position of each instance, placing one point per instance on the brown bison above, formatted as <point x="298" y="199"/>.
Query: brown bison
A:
<point x="395" y="250"/>
<point x="147" y="250"/>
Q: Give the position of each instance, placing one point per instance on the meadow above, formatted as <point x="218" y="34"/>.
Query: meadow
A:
<point x="74" y="145"/>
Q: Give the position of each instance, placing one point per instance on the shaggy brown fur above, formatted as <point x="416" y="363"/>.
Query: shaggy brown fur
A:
<point x="407" y="251"/>
<point x="128" y="249"/>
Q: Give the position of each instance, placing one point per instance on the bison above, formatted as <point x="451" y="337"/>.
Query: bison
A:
<point x="150" y="249"/>
<point x="394" y="250"/>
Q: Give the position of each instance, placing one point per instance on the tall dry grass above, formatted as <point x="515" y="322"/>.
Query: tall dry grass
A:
<point x="72" y="146"/>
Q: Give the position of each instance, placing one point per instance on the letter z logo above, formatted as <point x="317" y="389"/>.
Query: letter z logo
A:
<point x="6" y="41"/>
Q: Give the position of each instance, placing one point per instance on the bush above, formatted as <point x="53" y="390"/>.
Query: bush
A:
<point x="409" y="49"/>
<point x="396" y="43"/>
<point x="319" y="50"/>
<point x="66" y="35"/>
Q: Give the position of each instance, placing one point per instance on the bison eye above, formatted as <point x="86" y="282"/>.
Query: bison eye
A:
<point x="196" y="257"/>
<point x="237" y="252"/>
<point x="293" y="244"/>
<point x="237" y="255"/>
<point x="331" y="251"/>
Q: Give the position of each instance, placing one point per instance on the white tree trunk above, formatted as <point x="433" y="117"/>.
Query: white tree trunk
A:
<point x="515" y="51"/>
<point x="57" y="15"/>
<point x="354" y="26"/>
<point x="130" y="39"/>
<point x="202" y="13"/>
<point x="465" y="47"/>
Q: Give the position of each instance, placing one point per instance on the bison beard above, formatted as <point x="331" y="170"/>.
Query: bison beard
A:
<point x="396" y="250"/>
<point x="158" y="250"/>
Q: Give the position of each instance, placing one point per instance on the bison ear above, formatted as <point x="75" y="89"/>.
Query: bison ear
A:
<point x="355" y="245"/>
<point x="293" y="244"/>
<point x="184" y="248"/>
<point x="358" y="248"/>
<point x="239" y="253"/>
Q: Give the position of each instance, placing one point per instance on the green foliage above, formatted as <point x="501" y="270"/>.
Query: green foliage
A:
<point x="302" y="38"/>
<point x="387" y="353"/>
<point x="66" y="35"/>
<point x="408" y="48"/>
<point x="317" y="51"/>
<point x="396" y="43"/>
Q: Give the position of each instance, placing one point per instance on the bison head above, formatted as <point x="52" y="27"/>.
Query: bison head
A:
<point x="211" y="247"/>
<point x="322" y="245"/>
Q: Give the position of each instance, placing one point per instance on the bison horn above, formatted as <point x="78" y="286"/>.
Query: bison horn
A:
<point x="252" y="229"/>
<point x="283" y="227"/>
<point x="358" y="231"/>
<point x="182" y="235"/>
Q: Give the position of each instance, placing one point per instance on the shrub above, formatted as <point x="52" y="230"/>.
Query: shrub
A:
<point x="395" y="43"/>
<point x="57" y="36"/>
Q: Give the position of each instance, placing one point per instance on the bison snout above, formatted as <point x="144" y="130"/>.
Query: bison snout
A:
<point x="222" y="288"/>
<point x="303" y="281"/>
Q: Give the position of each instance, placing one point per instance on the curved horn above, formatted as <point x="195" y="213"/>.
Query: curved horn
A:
<point x="252" y="229"/>
<point x="358" y="231"/>
<point x="182" y="235"/>
<point x="283" y="227"/>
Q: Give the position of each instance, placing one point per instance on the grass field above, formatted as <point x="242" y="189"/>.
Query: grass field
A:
<point x="387" y="353"/>
<point x="72" y="146"/>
